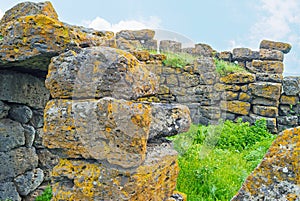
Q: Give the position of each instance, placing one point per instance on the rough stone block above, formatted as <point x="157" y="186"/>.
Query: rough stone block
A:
<point x="142" y="55"/>
<point x="243" y="54"/>
<point x="155" y="179"/>
<point x="266" y="77"/>
<point x="265" y="54"/>
<point x="169" y="46"/>
<point x="265" y="111"/>
<point x="17" y="161"/>
<point x="285" y="110"/>
<point x="210" y="112"/>
<point x="266" y="90"/>
<point x="29" y="181"/>
<point x="11" y="134"/>
<point x="8" y="191"/>
<point x="236" y="107"/>
<point x="238" y="78"/>
<point x="168" y="120"/>
<point x="208" y="78"/>
<point x="271" y="67"/>
<point x="264" y="101"/>
<point x="149" y="44"/>
<point x="277" y="176"/>
<point x="226" y="87"/>
<point x="144" y="34"/>
<point x="204" y="65"/>
<point x="20" y="113"/>
<point x="288" y="120"/>
<point x="32" y="93"/>
<point x="99" y="72"/>
<point x="203" y="50"/>
<point x="289" y="100"/>
<point x="244" y="97"/>
<point x="226" y="56"/>
<point x="272" y="45"/>
<point x="191" y="80"/>
<point x="291" y="86"/>
<point x="29" y="133"/>
<point x="229" y="95"/>
<point x="105" y="129"/>
<point x="37" y="120"/>
<point x="47" y="161"/>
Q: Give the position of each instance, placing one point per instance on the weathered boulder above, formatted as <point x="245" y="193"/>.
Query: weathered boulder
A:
<point x="272" y="67"/>
<point x="32" y="93"/>
<point x="8" y="191"/>
<point x="4" y="108"/>
<point x="236" y="107"/>
<point x="83" y="180"/>
<point x="105" y="129"/>
<point x="32" y="34"/>
<point x="272" y="45"/>
<point x="29" y="181"/>
<point x="169" y="46"/>
<point x="11" y="134"/>
<point x="291" y="85"/>
<point x="17" y="161"/>
<point x="20" y="113"/>
<point x="238" y="78"/>
<point x="277" y="176"/>
<point x="266" y="90"/>
<point x="99" y="72"/>
<point x="265" y="54"/>
<point x="168" y="120"/>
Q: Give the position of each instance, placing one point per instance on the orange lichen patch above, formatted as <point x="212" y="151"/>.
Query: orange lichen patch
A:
<point x="268" y="66"/>
<point x="278" y="170"/>
<point x="266" y="90"/>
<point x="227" y="87"/>
<point x="289" y="100"/>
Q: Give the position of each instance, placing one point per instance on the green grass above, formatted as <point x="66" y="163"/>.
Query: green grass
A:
<point x="179" y="59"/>
<point x="214" y="160"/>
<point x="224" y="68"/>
<point x="46" y="195"/>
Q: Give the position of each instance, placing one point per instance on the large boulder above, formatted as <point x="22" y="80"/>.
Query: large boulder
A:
<point x="97" y="72"/>
<point x="155" y="179"/>
<point x="31" y="34"/>
<point x="105" y="129"/>
<point x="277" y="176"/>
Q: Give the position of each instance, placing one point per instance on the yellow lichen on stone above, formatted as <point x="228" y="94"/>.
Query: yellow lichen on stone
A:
<point x="289" y="100"/>
<point x="238" y="78"/>
<point x="237" y="107"/>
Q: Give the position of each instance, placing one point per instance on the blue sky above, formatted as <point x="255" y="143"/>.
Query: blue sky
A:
<point x="223" y="24"/>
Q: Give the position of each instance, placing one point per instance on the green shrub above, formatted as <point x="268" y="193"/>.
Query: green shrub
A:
<point x="46" y="195"/>
<point x="224" y="68"/>
<point x="214" y="160"/>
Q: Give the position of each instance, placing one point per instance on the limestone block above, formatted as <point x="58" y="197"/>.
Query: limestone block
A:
<point x="203" y="50"/>
<point x="244" y="97"/>
<point x="236" y="107"/>
<point x="277" y="176"/>
<point x="17" y="161"/>
<point x="225" y="55"/>
<point x="265" y="54"/>
<point x="20" y="113"/>
<point x="288" y="120"/>
<point x="29" y="181"/>
<point x="244" y="54"/>
<point x="149" y="44"/>
<point x="289" y="100"/>
<point x="191" y="80"/>
<point x="210" y="112"/>
<point x="291" y="86"/>
<point x="208" y="78"/>
<point x="144" y="34"/>
<point x="169" y="46"/>
<point x="266" y="90"/>
<point x="229" y="95"/>
<point x="266" y="77"/>
<point x="204" y="65"/>
<point x="238" y="78"/>
<point x="270" y="67"/>
<point x="32" y="93"/>
<point x="105" y="129"/>
<point x="126" y="45"/>
<point x="98" y="72"/>
<point x="264" y="101"/>
<point x="272" y="45"/>
<point x="265" y="111"/>
<point x="8" y="191"/>
<point x="168" y="120"/>
<point x="227" y="87"/>
<point x="155" y="179"/>
<point x="11" y="134"/>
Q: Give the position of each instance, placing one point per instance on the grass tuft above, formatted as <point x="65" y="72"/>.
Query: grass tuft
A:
<point x="224" y="68"/>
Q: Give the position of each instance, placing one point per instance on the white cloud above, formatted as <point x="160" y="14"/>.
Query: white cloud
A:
<point x="276" y="19"/>
<point x="102" y="24"/>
